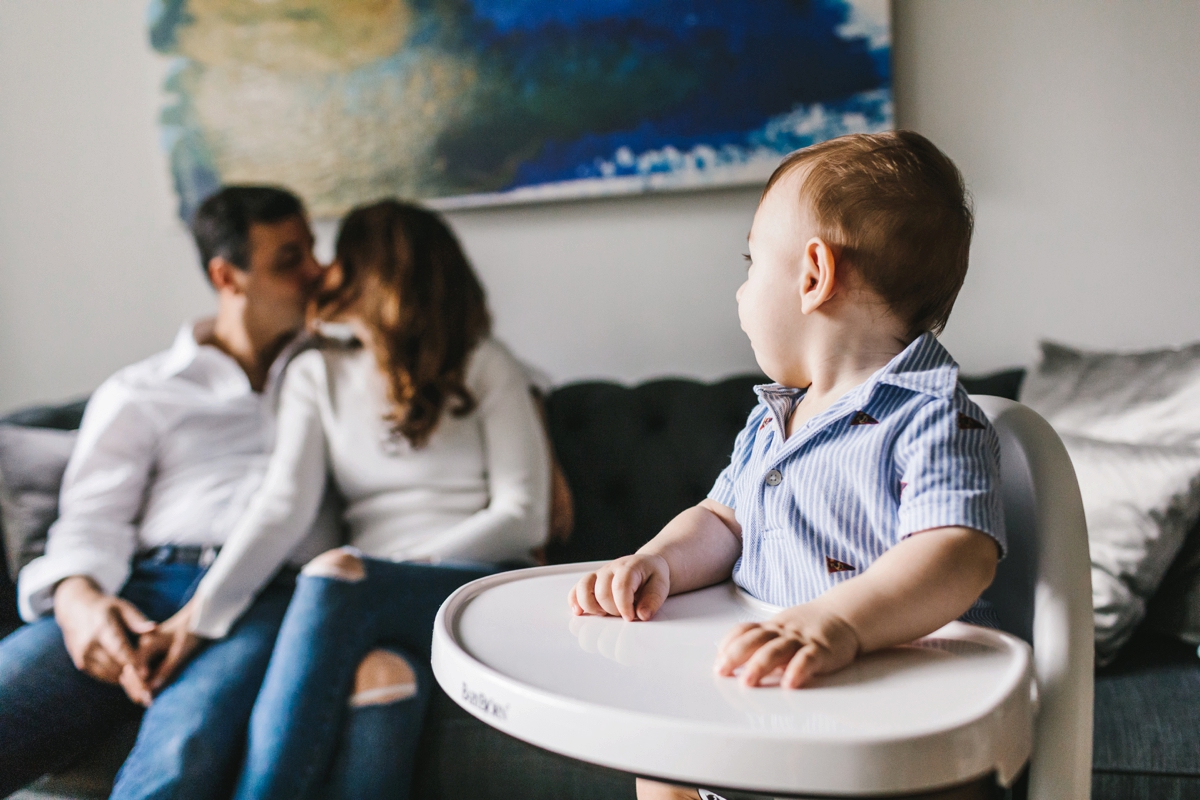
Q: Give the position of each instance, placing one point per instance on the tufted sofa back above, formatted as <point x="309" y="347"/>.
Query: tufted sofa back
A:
<point x="637" y="456"/>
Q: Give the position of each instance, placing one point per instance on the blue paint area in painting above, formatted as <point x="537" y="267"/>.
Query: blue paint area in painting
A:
<point x="650" y="149"/>
<point x="742" y="63"/>
<point x="507" y="15"/>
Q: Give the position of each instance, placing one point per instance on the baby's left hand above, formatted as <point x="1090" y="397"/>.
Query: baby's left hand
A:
<point x="804" y="641"/>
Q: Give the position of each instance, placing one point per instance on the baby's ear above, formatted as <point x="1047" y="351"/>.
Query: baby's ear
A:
<point x="818" y="274"/>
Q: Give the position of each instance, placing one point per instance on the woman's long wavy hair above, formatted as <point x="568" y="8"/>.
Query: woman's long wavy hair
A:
<point x="406" y="277"/>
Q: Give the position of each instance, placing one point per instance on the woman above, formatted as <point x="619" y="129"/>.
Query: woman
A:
<point x="430" y="433"/>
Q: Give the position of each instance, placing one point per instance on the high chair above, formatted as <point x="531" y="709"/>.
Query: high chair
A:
<point x="962" y="704"/>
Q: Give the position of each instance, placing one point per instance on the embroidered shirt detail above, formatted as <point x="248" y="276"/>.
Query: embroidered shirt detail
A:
<point x="833" y="565"/>
<point x="966" y="423"/>
<point x="765" y="423"/>
<point x="863" y="418"/>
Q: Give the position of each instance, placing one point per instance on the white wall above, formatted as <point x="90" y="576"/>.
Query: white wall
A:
<point x="1075" y="124"/>
<point x="94" y="272"/>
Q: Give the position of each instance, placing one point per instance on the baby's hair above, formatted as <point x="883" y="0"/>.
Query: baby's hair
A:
<point x="894" y="207"/>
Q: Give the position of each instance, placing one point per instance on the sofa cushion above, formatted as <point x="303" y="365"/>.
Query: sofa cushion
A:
<point x="1147" y="722"/>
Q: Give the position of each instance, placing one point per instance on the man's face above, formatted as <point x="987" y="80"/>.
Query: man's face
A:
<point x="769" y="300"/>
<point x="283" y="274"/>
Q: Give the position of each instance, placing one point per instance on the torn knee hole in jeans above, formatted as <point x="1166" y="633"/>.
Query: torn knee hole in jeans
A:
<point x="383" y="695"/>
<point x="343" y="564"/>
<point x="383" y="677"/>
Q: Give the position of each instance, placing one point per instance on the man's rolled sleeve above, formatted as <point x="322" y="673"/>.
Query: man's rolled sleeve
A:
<point x="101" y="497"/>
<point x="949" y="462"/>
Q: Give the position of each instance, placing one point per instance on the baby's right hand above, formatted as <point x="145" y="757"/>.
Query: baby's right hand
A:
<point x="633" y="587"/>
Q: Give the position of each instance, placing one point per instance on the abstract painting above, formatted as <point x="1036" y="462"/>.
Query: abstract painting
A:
<point x="473" y="102"/>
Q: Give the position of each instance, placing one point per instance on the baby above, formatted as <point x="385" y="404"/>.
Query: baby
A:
<point x="863" y="493"/>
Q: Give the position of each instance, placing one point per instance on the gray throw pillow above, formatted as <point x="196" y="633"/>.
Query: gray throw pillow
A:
<point x="1150" y="397"/>
<point x="1130" y="424"/>
<point x="32" y="462"/>
<point x="1139" y="501"/>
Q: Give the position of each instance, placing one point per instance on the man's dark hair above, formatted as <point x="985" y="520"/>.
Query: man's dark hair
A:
<point x="221" y="226"/>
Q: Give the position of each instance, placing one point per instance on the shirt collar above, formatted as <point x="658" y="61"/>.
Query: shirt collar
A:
<point x="218" y="368"/>
<point x="924" y="366"/>
<point x="183" y="350"/>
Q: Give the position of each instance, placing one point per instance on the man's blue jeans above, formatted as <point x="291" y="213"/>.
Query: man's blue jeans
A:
<point x="191" y="739"/>
<point x="303" y="740"/>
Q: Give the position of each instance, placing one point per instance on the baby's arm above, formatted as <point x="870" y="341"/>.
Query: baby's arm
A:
<point x="698" y="548"/>
<point x="916" y="587"/>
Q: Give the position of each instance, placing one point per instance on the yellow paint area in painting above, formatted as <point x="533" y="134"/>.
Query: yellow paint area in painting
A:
<point x="330" y="138"/>
<point x="321" y="95"/>
<point x="294" y="35"/>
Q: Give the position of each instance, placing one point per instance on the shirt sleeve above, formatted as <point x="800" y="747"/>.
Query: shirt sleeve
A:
<point x="282" y="511"/>
<point x="517" y="459"/>
<point x="724" y="491"/>
<point x="948" y="458"/>
<point x="101" y="498"/>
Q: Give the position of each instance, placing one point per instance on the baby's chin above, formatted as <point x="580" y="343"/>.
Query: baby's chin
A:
<point x="769" y="367"/>
<point x="770" y="364"/>
<point x="778" y="373"/>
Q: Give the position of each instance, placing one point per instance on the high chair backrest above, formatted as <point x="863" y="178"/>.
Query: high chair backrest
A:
<point x="1043" y="593"/>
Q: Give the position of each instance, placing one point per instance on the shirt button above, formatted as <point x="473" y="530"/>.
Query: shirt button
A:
<point x="774" y="477"/>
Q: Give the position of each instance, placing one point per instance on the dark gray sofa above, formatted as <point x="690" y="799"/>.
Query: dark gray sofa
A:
<point x="634" y="457"/>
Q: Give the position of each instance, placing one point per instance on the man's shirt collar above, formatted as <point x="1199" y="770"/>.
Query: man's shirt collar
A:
<point x="183" y="350"/>
<point x="218" y="370"/>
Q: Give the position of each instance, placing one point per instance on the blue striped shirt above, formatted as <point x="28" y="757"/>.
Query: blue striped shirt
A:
<point x="904" y="452"/>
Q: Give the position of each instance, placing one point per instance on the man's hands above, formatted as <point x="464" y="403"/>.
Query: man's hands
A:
<point x="109" y="639"/>
<point x="633" y="587"/>
<point x="97" y="629"/>
<point x="804" y="641"/>
<point x="173" y="642"/>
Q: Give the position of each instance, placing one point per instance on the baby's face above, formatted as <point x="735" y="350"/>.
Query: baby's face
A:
<point x="769" y="300"/>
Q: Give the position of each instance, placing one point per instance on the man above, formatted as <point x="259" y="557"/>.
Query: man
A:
<point x="169" y="454"/>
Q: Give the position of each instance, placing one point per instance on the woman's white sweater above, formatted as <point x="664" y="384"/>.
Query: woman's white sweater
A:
<point x="477" y="491"/>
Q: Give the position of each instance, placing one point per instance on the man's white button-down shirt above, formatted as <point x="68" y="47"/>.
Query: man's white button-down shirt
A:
<point x="171" y="451"/>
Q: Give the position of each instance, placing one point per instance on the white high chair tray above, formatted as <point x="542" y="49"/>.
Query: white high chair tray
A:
<point x="643" y="697"/>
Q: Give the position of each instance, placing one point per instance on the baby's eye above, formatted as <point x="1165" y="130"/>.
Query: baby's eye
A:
<point x="749" y="260"/>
